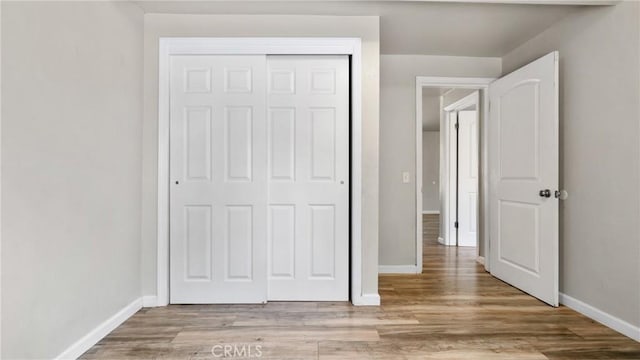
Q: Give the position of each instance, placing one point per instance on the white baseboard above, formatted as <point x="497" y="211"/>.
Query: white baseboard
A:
<point x="367" y="300"/>
<point x="430" y="212"/>
<point x="602" y="317"/>
<point x="480" y="260"/>
<point x="398" y="269"/>
<point x="86" y="342"/>
<point x="149" y="301"/>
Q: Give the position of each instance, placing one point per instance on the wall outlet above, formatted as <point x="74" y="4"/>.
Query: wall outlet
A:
<point x="406" y="177"/>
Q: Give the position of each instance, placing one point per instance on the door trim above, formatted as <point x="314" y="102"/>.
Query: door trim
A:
<point x="262" y="46"/>
<point x="481" y="84"/>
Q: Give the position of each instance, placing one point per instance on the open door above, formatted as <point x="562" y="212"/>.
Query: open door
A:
<point x="523" y="158"/>
<point x="468" y="177"/>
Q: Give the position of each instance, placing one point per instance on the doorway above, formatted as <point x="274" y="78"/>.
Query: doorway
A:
<point x="518" y="224"/>
<point x="462" y="119"/>
<point x="452" y="98"/>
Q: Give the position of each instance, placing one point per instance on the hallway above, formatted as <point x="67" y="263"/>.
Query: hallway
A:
<point x="454" y="310"/>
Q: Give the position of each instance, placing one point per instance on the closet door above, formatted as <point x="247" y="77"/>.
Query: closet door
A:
<point x="218" y="188"/>
<point x="308" y="175"/>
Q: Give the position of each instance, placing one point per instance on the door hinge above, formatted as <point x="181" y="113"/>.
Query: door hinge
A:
<point x="457" y="126"/>
<point x="455" y="224"/>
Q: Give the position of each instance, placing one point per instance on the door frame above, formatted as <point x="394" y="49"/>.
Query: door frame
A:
<point x="481" y="84"/>
<point x="457" y="106"/>
<point x="169" y="46"/>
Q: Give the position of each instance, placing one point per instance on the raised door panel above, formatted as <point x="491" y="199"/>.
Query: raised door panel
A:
<point x="519" y="237"/>
<point x="323" y="134"/>
<point x="198" y="235"/>
<point x="282" y="233"/>
<point x="323" y="240"/>
<point x="197" y="143"/>
<point x="282" y="145"/>
<point x="519" y="139"/>
<point x="239" y="242"/>
<point x="239" y="142"/>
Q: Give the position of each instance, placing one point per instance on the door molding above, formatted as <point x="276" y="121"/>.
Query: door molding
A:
<point x="261" y="46"/>
<point x="481" y="84"/>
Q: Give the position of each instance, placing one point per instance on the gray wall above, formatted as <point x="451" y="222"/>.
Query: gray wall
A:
<point x="431" y="171"/>
<point x="430" y="113"/>
<point x="365" y="27"/>
<point x="398" y="142"/>
<point x="455" y="95"/>
<point x="600" y="163"/>
<point x="72" y="117"/>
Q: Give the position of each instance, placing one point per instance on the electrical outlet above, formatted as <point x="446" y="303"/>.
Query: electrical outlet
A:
<point x="406" y="177"/>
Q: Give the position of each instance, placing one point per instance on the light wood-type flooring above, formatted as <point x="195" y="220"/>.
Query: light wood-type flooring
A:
<point x="453" y="310"/>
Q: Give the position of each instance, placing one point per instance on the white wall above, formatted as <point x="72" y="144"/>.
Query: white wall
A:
<point x="398" y="145"/>
<point x="365" y="27"/>
<point x="599" y="150"/>
<point x="71" y="157"/>
<point x="431" y="171"/>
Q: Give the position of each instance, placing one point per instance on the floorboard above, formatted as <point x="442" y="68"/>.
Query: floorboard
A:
<point x="453" y="310"/>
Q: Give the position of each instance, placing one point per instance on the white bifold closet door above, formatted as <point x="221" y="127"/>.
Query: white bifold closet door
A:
<point x="308" y="221"/>
<point x="259" y="178"/>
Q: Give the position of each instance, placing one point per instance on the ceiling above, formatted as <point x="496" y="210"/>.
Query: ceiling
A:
<point x="408" y="27"/>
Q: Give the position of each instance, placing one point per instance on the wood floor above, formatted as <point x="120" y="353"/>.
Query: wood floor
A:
<point x="453" y="310"/>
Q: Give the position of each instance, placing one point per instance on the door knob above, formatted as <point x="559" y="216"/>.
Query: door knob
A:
<point x="546" y="193"/>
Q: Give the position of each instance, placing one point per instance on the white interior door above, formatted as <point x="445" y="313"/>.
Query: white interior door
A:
<point x="452" y="233"/>
<point x="523" y="158"/>
<point x="308" y="170"/>
<point x="218" y="192"/>
<point x="467" y="177"/>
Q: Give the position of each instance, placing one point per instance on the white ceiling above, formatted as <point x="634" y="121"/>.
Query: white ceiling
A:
<point x="408" y="27"/>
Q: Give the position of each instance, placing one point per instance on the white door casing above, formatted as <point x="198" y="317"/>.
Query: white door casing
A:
<point x="308" y="224"/>
<point x="169" y="47"/>
<point x="524" y="155"/>
<point x="218" y="192"/>
<point x="467" y="177"/>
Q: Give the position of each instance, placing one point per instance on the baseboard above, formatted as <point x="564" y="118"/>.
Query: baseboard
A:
<point x="367" y="300"/>
<point x="86" y="342"/>
<point x="430" y="212"/>
<point x="398" y="269"/>
<point x="480" y="260"/>
<point x="602" y="317"/>
<point x="149" y="301"/>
